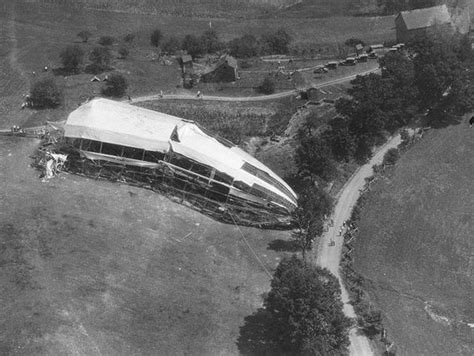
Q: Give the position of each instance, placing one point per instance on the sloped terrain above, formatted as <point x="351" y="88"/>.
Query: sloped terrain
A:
<point x="416" y="248"/>
<point x="92" y="267"/>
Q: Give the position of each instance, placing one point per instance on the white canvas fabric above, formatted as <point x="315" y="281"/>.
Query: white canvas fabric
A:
<point x="122" y="124"/>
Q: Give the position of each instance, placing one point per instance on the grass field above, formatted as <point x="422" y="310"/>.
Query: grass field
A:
<point x="91" y="267"/>
<point x="415" y="246"/>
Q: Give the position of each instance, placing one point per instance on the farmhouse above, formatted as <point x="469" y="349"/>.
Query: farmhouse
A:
<point x="417" y="23"/>
<point x="224" y="71"/>
<point x="118" y="141"/>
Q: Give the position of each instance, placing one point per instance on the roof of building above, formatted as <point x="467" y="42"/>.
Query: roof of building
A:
<point x="422" y="18"/>
<point x="186" y="58"/>
<point x="231" y="61"/>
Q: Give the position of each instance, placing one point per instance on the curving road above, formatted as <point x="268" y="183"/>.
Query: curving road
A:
<point x="330" y="256"/>
<point x="284" y="94"/>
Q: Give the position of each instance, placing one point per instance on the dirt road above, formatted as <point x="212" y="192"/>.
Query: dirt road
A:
<point x="330" y="256"/>
<point x="246" y="98"/>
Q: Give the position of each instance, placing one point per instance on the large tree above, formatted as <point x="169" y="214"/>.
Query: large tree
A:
<point x="313" y="205"/>
<point x="100" y="56"/>
<point x="156" y="37"/>
<point x="244" y="47"/>
<point x="306" y="310"/>
<point x="193" y="45"/>
<point x="45" y="94"/>
<point x="115" y="86"/>
<point x="71" y="58"/>
<point x="276" y="42"/>
<point x="442" y="78"/>
<point x="313" y="158"/>
<point x="210" y="41"/>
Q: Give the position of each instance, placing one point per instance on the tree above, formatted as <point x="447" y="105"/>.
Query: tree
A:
<point x="116" y="86"/>
<point x="391" y="157"/>
<point x="313" y="204"/>
<point x="441" y="77"/>
<point x="352" y="42"/>
<point x="313" y="158"/>
<point x="100" y="58"/>
<point x="340" y="139"/>
<point x="244" y="47"/>
<point x="306" y="310"/>
<point x="267" y="87"/>
<point x="106" y="41"/>
<point x="210" y="41"/>
<point x="71" y="58"/>
<point x="277" y="42"/>
<point x="192" y="45"/>
<point x="45" y="94"/>
<point x="156" y="37"/>
<point x="123" y="52"/>
<point x="129" y="37"/>
<point x="84" y="35"/>
<point x="171" y="45"/>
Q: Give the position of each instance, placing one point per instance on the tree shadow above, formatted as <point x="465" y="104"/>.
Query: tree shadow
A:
<point x="442" y="120"/>
<point x="279" y="245"/>
<point x="255" y="337"/>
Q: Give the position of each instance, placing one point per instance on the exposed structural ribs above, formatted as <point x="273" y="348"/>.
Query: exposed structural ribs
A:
<point x="186" y="187"/>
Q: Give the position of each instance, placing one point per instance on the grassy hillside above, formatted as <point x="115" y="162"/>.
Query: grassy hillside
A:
<point x="415" y="246"/>
<point x="90" y="267"/>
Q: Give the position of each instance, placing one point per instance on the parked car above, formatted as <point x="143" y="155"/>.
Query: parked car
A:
<point x="331" y="65"/>
<point x="320" y="69"/>
<point x="349" y="61"/>
<point x="363" y="57"/>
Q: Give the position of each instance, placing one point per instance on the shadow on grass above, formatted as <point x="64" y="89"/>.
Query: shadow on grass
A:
<point x="256" y="335"/>
<point x="282" y="246"/>
<point x="442" y="120"/>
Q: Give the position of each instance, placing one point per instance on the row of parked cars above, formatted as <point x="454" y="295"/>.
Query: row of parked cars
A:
<point x="352" y="59"/>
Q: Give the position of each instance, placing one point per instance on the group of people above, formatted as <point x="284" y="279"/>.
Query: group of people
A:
<point x="16" y="129"/>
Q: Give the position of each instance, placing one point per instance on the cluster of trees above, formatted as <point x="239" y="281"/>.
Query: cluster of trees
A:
<point x="248" y="45"/>
<point x="302" y="314"/>
<point x="431" y="83"/>
<point x="313" y="205"/>
<point x="194" y="45"/>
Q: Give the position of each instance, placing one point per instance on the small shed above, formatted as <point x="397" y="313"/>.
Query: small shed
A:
<point x="186" y="63"/>
<point x="225" y="70"/>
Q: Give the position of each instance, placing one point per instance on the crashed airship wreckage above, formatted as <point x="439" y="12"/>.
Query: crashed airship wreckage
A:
<point x="105" y="139"/>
